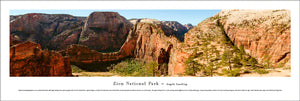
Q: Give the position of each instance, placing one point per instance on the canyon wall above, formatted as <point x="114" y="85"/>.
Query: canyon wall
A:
<point x="103" y="38"/>
<point x="28" y="59"/>
<point x="264" y="34"/>
<point x="104" y="31"/>
<point x="41" y="28"/>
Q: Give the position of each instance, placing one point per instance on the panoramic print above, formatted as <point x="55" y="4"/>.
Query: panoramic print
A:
<point x="150" y="43"/>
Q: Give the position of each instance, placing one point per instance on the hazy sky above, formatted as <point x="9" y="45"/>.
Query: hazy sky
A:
<point x="182" y="16"/>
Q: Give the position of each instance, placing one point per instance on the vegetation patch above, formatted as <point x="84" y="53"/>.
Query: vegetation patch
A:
<point x="76" y="69"/>
<point x="134" y="67"/>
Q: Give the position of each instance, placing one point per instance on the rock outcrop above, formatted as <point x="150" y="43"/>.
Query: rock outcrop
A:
<point x="179" y="29"/>
<point x="262" y="33"/>
<point x="105" y="31"/>
<point x="28" y="59"/>
<point x="145" y="40"/>
<point x="188" y="26"/>
<point x="66" y="38"/>
<point x="41" y="28"/>
<point x="152" y="39"/>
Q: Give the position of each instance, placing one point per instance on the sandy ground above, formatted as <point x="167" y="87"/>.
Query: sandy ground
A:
<point x="272" y="73"/>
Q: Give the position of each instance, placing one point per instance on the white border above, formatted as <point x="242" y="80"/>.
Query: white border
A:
<point x="10" y="85"/>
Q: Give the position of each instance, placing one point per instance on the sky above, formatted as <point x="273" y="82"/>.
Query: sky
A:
<point x="182" y="16"/>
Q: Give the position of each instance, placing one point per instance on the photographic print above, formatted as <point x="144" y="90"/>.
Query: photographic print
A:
<point x="150" y="43"/>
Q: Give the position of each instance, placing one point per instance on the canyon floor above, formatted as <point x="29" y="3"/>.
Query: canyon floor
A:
<point x="272" y="73"/>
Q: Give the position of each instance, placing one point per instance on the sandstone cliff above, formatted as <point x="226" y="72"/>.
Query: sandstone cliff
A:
<point x="145" y="41"/>
<point x="107" y="37"/>
<point x="28" y="59"/>
<point x="104" y="31"/>
<point x="41" y="28"/>
<point x="262" y="33"/>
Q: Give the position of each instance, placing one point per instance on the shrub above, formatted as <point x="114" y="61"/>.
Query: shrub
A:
<point x="261" y="71"/>
<point x="192" y="66"/>
<point x="231" y="73"/>
<point x="76" y="69"/>
<point x="134" y="67"/>
<point x="252" y="62"/>
<point x="280" y="65"/>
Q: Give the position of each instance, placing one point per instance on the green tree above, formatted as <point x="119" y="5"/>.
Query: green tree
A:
<point x="252" y="62"/>
<point x="236" y="61"/>
<point x="152" y="67"/>
<point x="211" y="68"/>
<point x="267" y="63"/>
<point x="226" y="58"/>
<point x="192" y="66"/>
<point x="242" y="50"/>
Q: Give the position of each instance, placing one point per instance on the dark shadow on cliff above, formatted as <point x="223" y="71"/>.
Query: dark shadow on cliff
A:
<point x="97" y="66"/>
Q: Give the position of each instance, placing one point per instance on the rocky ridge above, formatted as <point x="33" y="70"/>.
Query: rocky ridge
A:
<point x="264" y="35"/>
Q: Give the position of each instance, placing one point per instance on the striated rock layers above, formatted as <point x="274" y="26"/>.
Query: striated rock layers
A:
<point x="264" y="34"/>
<point x="145" y="41"/>
<point x="101" y="39"/>
<point x="28" y="59"/>
<point x="41" y="28"/>
<point x="104" y="31"/>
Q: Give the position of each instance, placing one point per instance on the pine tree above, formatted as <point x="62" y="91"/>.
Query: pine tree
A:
<point x="192" y="66"/>
<point x="267" y="63"/>
<point x="252" y="62"/>
<point x="152" y="67"/>
<point x="226" y="58"/>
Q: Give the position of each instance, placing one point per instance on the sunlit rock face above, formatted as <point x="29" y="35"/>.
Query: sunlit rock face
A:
<point x="42" y="28"/>
<point x="28" y="59"/>
<point x="261" y="32"/>
<point x="104" y="31"/>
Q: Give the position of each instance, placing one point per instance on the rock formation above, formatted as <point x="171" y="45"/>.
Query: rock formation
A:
<point x="41" y="28"/>
<point x="188" y="26"/>
<point x="104" y="31"/>
<point x="179" y="29"/>
<point x="139" y="44"/>
<point x="28" y="59"/>
<point x="163" y="58"/>
<point x="261" y="33"/>
<point x="93" y="43"/>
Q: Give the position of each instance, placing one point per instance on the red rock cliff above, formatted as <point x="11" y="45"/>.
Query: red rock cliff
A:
<point x="261" y="32"/>
<point x="28" y="59"/>
<point x="104" y="31"/>
<point x="41" y="28"/>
